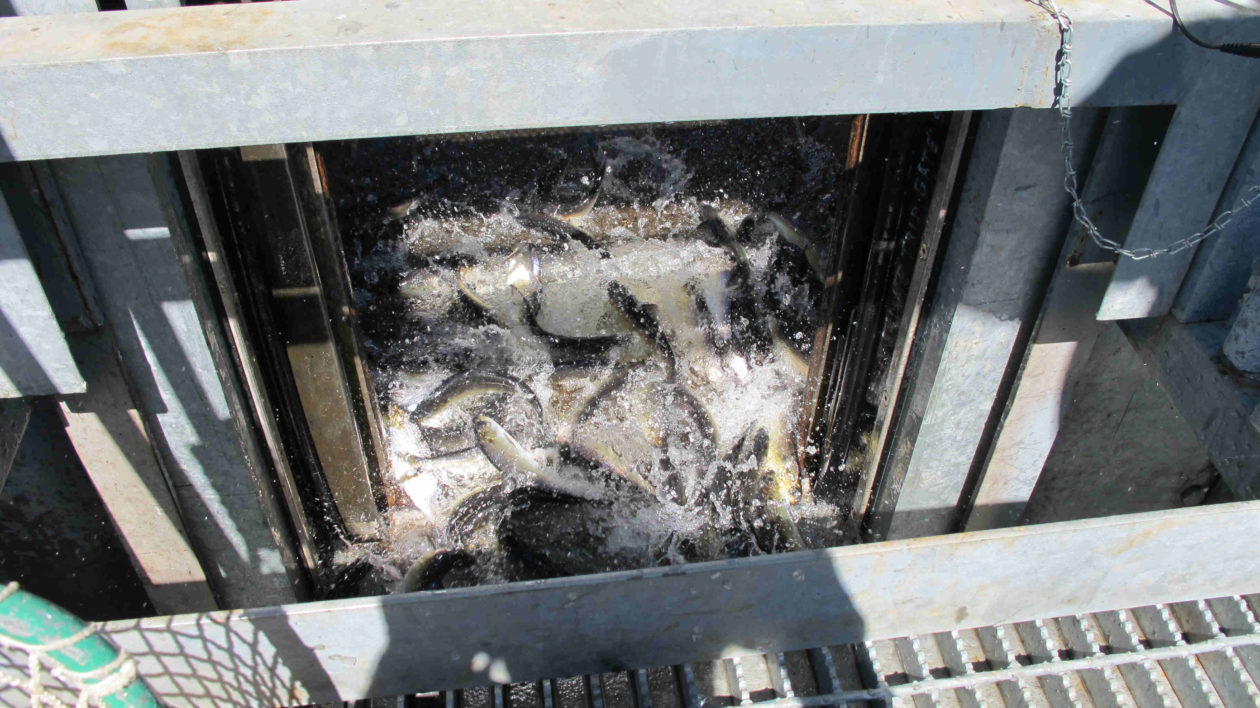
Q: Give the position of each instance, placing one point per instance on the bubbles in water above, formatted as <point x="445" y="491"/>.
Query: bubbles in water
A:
<point x="606" y="461"/>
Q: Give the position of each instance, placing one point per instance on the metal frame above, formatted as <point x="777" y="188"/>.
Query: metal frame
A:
<point x="393" y="645"/>
<point x="261" y="73"/>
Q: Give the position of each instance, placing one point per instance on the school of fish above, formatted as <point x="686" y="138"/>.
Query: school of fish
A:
<point x="600" y="392"/>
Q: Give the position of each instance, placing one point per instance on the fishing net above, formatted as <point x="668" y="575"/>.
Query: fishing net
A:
<point x="48" y="657"/>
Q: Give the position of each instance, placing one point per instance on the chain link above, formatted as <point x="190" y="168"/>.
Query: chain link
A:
<point x="1063" y="85"/>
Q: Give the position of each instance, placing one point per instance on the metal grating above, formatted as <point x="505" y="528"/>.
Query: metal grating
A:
<point x="1196" y="653"/>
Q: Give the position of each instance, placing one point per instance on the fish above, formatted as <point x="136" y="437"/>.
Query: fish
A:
<point x="527" y="467"/>
<point x="490" y="290"/>
<point x="734" y="489"/>
<point x="747" y="325"/>
<point x="567" y="350"/>
<point x="751" y="232"/>
<point x="678" y="398"/>
<point x="639" y="425"/>
<point x="552" y="226"/>
<point x="582" y="210"/>
<point x="438" y="484"/>
<point x="403" y="209"/>
<point x="430" y="570"/>
<point x="712" y="305"/>
<point x="646" y="323"/>
<point x="811" y="249"/>
<point x="720" y="234"/>
<point x="777" y="531"/>
<point x="585" y="441"/>
<point x="756" y="482"/>
<point x="553" y="535"/>
<point x="779" y="481"/>
<point x="796" y="359"/>
<point x="468" y="386"/>
<point x="473" y="523"/>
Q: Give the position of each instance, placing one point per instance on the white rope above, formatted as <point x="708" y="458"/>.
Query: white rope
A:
<point x="91" y="686"/>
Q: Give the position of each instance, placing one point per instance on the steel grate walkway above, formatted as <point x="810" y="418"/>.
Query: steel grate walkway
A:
<point x="1197" y="653"/>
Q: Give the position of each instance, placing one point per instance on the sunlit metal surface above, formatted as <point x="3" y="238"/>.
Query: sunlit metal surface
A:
<point x="281" y="72"/>
<point x="394" y="645"/>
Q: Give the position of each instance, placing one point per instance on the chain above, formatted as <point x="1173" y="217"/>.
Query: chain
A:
<point x="1063" y="84"/>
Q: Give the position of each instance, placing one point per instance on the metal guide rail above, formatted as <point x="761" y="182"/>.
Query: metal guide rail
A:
<point x="1201" y="652"/>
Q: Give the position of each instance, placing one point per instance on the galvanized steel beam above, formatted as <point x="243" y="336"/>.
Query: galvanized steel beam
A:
<point x="34" y="358"/>
<point x="396" y="645"/>
<point x="1196" y="157"/>
<point x="262" y="73"/>
<point x="1011" y="220"/>
<point x="1223" y="263"/>
<point x="1066" y="329"/>
<point x="110" y="439"/>
<point x="15" y="413"/>
<point x="117" y="215"/>
<point x="45" y="7"/>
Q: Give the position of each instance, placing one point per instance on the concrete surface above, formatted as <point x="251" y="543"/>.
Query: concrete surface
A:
<point x="1122" y="447"/>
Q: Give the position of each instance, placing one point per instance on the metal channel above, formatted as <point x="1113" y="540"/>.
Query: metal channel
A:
<point x="350" y="649"/>
<point x="80" y="84"/>
<point x="1011" y="219"/>
<point x="1214" y="402"/>
<point x="1066" y="329"/>
<point x="933" y="219"/>
<point x="115" y="216"/>
<point x="889" y="216"/>
<point x="275" y="236"/>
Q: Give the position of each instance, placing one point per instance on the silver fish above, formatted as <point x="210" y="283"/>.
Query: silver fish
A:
<point x="809" y="247"/>
<point x="527" y="467"/>
<point x="585" y="207"/>
<point x="462" y="388"/>
<point x="436" y="485"/>
<point x="712" y="223"/>
<point x="474" y="522"/>
<point x="401" y="211"/>
<point x="567" y="350"/>
<point x="562" y="230"/>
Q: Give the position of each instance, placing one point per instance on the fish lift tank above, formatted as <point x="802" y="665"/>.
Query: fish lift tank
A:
<point x="509" y="356"/>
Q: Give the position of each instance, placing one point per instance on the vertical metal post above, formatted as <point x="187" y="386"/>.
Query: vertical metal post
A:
<point x="118" y="220"/>
<point x="1066" y="328"/>
<point x="34" y="359"/>
<point x="1010" y="222"/>
<point x="1198" y="153"/>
